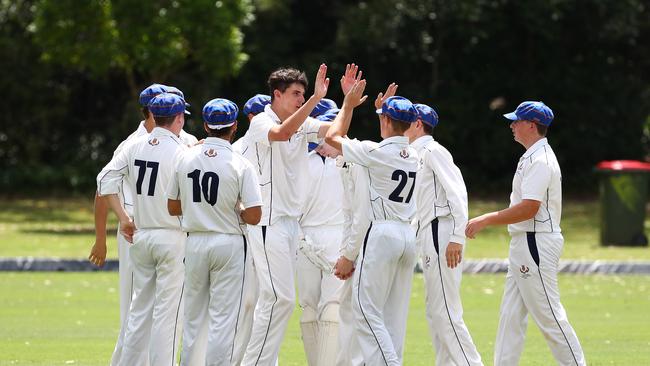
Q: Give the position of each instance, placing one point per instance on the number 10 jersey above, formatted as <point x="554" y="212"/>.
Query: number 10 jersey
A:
<point x="211" y="181"/>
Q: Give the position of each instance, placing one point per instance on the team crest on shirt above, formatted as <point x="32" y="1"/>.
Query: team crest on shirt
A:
<point x="404" y="153"/>
<point x="154" y="141"/>
<point x="211" y="153"/>
<point x="524" y="272"/>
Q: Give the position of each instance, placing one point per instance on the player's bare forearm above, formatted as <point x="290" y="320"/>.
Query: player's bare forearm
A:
<point x="252" y="215"/>
<point x="101" y="217"/>
<point x="341" y="124"/>
<point x="525" y="210"/>
<point x="174" y="207"/>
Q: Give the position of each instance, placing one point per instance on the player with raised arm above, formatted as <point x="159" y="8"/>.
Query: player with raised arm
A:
<point x="281" y="134"/>
<point x="208" y="187"/>
<point x="533" y="220"/>
<point x="158" y="244"/>
<point x="98" y="252"/>
<point x="382" y="281"/>
<point x="442" y="216"/>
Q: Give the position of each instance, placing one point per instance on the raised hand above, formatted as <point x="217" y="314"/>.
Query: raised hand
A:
<point x="352" y="74"/>
<point x="322" y="82"/>
<point x="381" y="97"/>
<point x="355" y="96"/>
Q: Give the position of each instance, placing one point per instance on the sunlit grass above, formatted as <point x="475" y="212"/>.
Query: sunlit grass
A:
<point x="72" y="319"/>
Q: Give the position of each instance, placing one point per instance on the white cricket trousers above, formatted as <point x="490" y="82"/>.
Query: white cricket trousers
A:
<point x="531" y="287"/>
<point x="349" y="350"/>
<point x="274" y="254"/>
<point x="249" y="300"/>
<point x="318" y="294"/>
<point x="214" y="277"/>
<point x="382" y="290"/>
<point x="451" y="339"/>
<point x="152" y="333"/>
<point x="125" y="292"/>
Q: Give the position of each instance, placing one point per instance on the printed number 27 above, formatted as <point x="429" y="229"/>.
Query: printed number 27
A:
<point x="401" y="176"/>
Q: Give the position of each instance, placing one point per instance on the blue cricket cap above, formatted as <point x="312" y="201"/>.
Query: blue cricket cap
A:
<point x="323" y="106"/>
<point x="400" y="109"/>
<point x="537" y="112"/>
<point x="256" y="104"/>
<point x="175" y="90"/>
<point x="329" y="115"/>
<point x="427" y="114"/>
<point x="150" y="92"/>
<point x="166" y="105"/>
<point x="220" y="113"/>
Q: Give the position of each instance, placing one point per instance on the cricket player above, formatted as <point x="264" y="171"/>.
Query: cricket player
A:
<point x="158" y="243"/>
<point x="208" y="187"/>
<point x="254" y="106"/>
<point x="323" y="107"/>
<point x="442" y="216"/>
<point x="533" y="220"/>
<point x="322" y="225"/>
<point x="98" y="251"/>
<point x="382" y="281"/>
<point x="356" y="222"/>
<point x="281" y="134"/>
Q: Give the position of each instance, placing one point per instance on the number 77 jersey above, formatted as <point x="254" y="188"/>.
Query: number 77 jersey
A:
<point x="146" y="165"/>
<point x="392" y="166"/>
<point x="211" y="181"/>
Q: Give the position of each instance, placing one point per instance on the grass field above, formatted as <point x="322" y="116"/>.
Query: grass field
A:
<point x="64" y="229"/>
<point x="72" y="319"/>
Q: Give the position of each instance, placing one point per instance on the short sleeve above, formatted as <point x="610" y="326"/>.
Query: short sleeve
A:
<point x="310" y="127"/>
<point x="535" y="181"/>
<point x="173" y="188"/>
<point x="251" y="195"/>
<point x="355" y="151"/>
<point x="109" y="180"/>
<point x="258" y="131"/>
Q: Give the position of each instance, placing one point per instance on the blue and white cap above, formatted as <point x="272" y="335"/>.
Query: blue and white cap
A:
<point x="537" y="112"/>
<point x="427" y="114"/>
<point x="151" y="92"/>
<point x="329" y="115"/>
<point x="399" y="108"/>
<point x="166" y="105"/>
<point x="220" y="113"/>
<point x="256" y="104"/>
<point x="323" y="106"/>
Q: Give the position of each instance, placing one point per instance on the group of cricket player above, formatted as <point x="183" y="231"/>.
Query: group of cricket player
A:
<point x="218" y="239"/>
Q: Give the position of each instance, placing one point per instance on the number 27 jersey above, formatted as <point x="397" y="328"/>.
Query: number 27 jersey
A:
<point x="392" y="166"/>
<point x="211" y="181"/>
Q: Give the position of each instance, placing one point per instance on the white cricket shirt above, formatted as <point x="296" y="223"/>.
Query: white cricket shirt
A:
<point x="538" y="177"/>
<point x="282" y="165"/>
<point x="211" y="180"/>
<point x="440" y="189"/>
<point x="323" y="204"/>
<point x="147" y="164"/>
<point x="125" y="194"/>
<point x="356" y="206"/>
<point x="392" y="168"/>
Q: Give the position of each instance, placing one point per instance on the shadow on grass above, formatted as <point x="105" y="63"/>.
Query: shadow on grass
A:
<point x="66" y="231"/>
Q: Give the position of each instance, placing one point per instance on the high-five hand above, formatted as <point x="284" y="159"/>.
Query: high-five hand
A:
<point x="352" y="74"/>
<point x="355" y="96"/>
<point x="381" y="97"/>
<point x="322" y="82"/>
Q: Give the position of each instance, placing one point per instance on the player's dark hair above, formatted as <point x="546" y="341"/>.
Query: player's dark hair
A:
<point x="164" y="121"/>
<point x="145" y="112"/>
<point x="282" y="78"/>
<point x="399" y="126"/>
<point x="541" y="129"/>
<point x="427" y="129"/>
